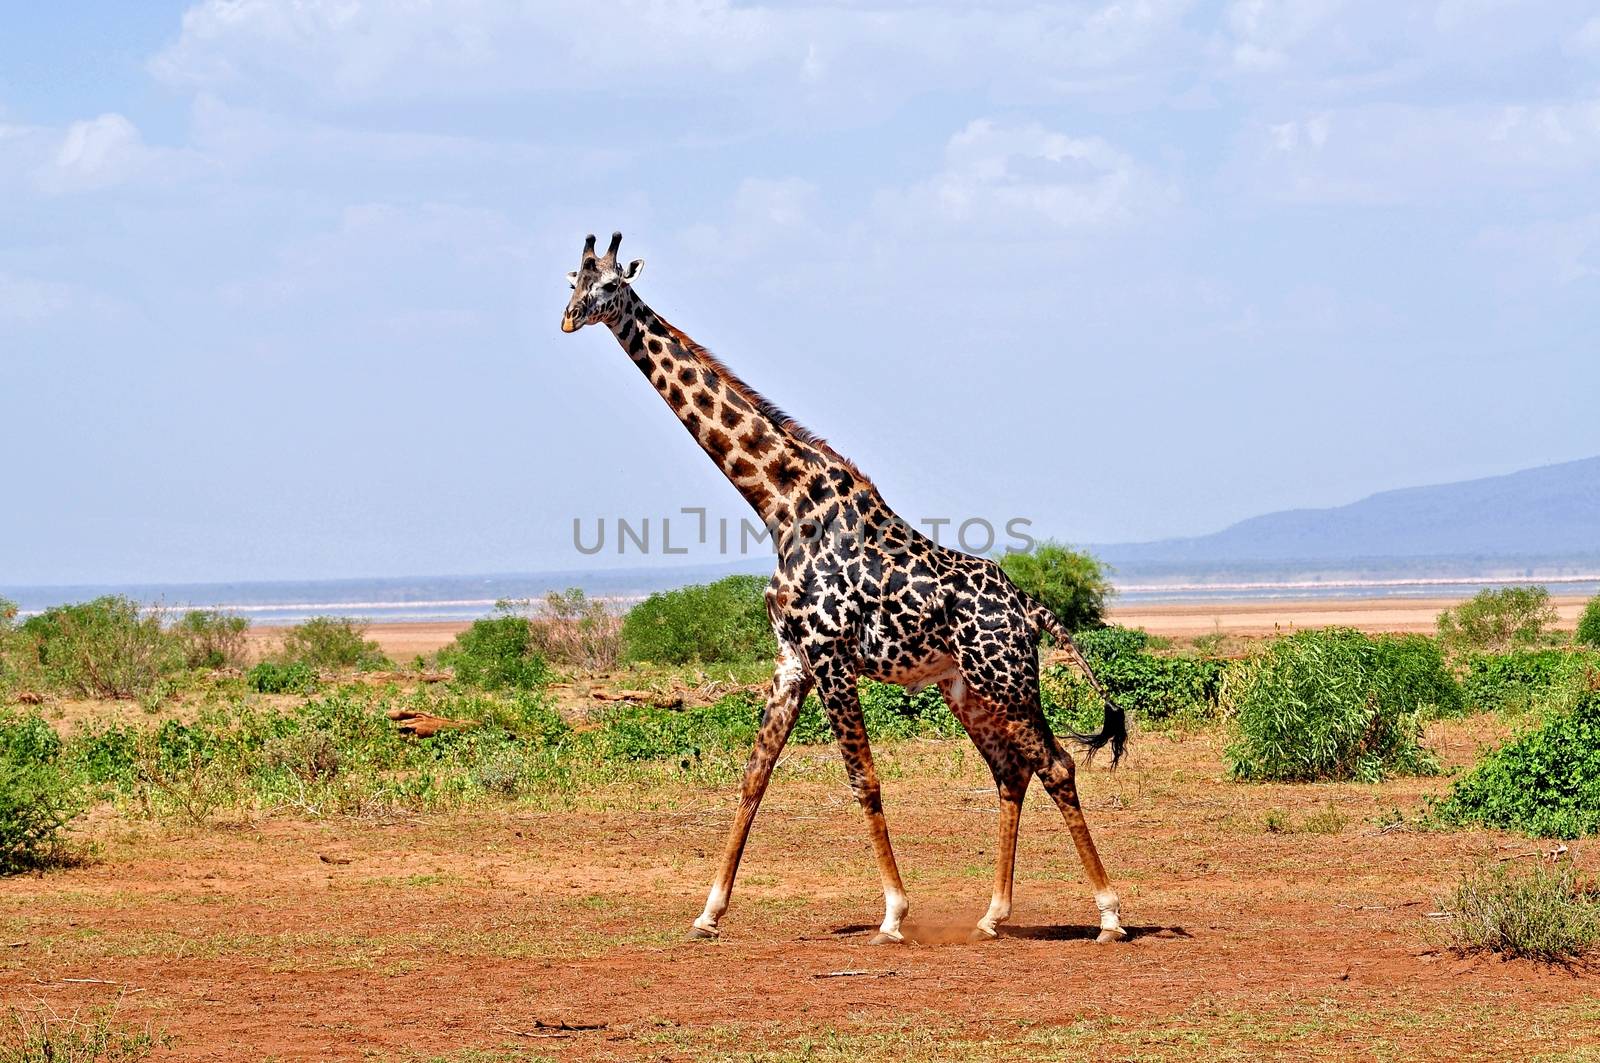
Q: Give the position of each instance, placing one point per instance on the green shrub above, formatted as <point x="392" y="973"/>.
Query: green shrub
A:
<point x="1417" y="675"/>
<point x="1545" y="782"/>
<point x="270" y="677"/>
<point x="1158" y="688"/>
<point x="1515" y="681"/>
<point x="13" y="658"/>
<point x="1497" y="620"/>
<point x="890" y="711"/>
<point x="211" y="639"/>
<point x="39" y="795"/>
<point x="722" y="621"/>
<point x="1538" y="912"/>
<point x="1071" y="584"/>
<point x="1588" y="633"/>
<point x="648" y="732"/>
<point x="497" y="653"/>
<point x="333" y="642"/>
<point x="1328" y="704"/>
<point x="108" y="648"/>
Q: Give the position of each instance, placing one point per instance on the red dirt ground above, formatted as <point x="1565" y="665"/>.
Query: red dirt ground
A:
<point x="447" y="936"/>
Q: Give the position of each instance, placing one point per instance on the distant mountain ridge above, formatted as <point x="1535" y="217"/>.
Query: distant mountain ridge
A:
<point x="1549" y="512"/>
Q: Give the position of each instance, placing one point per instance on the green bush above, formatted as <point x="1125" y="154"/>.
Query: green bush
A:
<point x="1158" y="688"/>
<point x="497" y="653"/>
<point x="1328" y="704"/>
<point x="1588" y="633"/>
<point x="1545" y="782"/>
<point x="39" y="795"/>
<point x="1539" y="912"/>
<point x="1497" y="620"/>
<point x="333" y="642"/>
<point x="1517" y="681"/>
<point x="109" y="648"/>
<point x="12" y="655"/>
<point x="1417" y="675"/>
<point x="211" y="639"/>
<point x="1071" y="584"/>
<point x="722" y="621"/>
<point x="270" y="677"/>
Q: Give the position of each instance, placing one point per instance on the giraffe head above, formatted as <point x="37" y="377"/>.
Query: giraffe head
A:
<point x="598" y="285"/>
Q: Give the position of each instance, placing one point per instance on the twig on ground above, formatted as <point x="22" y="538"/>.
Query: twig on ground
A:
<point x="856" y="974"/>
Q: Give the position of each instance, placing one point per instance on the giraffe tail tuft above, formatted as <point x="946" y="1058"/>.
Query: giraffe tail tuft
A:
<point x="1114" y="730"/>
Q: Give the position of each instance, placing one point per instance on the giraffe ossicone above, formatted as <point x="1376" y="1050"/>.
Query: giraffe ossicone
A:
<point x="892" y="605"/>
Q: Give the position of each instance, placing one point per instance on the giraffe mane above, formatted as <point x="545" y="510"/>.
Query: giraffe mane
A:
<point x="764" y="406"/>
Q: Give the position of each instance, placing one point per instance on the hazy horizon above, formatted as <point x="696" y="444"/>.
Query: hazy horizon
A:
<point x="282" y="284"/>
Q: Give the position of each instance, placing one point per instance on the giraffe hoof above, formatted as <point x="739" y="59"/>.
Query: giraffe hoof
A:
<point x="981" y="934"/>
<point x="700" y="933"/>
<point x="1111" y="936"/>
<point x="884" y="938"/>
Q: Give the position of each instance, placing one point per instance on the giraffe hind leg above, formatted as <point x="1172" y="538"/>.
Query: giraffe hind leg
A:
<point x="1058" y="773"/>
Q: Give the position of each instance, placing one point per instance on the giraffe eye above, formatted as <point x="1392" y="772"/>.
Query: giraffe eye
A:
<point x="609" y="286"/>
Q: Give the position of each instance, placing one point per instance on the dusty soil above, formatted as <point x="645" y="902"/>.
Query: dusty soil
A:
<point x="477" y="935"/>
<point x="1187" y="619"/>
<point x="403" y="641"/>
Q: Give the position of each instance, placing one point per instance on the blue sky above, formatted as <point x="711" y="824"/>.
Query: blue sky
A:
<point x="279" y="282"/>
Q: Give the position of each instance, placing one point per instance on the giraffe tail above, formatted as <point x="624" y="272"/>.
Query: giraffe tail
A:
<point x="1114" y="731"/>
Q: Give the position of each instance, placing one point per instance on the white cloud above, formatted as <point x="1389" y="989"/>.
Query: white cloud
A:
<point x="1022" y="176"/>
<point x="393" y="266"/>
<point x="342" y="52"/>
<point x="92" y="154"/>
<point x="1534" y="255"/>
<point x="23" y="299"/>
<point x="1585" y="40"/>
<point x="1394" y="154"/>
<point x="763" y="212"/>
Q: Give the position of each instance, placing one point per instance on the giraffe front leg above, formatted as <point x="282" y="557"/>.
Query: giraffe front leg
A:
<point x="837" y="687"/>
<point x="790" y="684"/>
<point x="1012" y="791"/>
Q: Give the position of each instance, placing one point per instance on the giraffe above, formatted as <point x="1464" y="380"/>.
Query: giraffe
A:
<point x="859" y="592"/>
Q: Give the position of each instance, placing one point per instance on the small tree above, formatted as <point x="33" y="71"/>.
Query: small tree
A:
<point x="722" y="621"/>
<point x="332" y="642"/>
<point x="1588" y="633"/>
<point x="576" y="630"/>
<point x="109" y="648"/>
<point x="211" y="639"/>
<point x="1071" y="584"/>
<point x="10" y="645"/>
<point x="497" y="652"/>
<point x="1497" y="620"/>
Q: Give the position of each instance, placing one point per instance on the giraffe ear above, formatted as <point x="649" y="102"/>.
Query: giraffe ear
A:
<point x="634" y="268"/>
<point x="572" y="277"/>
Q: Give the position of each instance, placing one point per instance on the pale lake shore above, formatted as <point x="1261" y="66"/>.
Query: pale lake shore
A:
<point x="404" y="640"/>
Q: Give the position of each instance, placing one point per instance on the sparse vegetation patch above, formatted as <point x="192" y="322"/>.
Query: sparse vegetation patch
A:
<point x="1536" y="911"/>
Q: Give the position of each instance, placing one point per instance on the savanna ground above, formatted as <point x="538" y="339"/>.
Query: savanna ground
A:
<point x="1287" y="921"/>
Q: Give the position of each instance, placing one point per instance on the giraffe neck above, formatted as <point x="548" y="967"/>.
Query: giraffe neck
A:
<point x="750" y="441"/>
